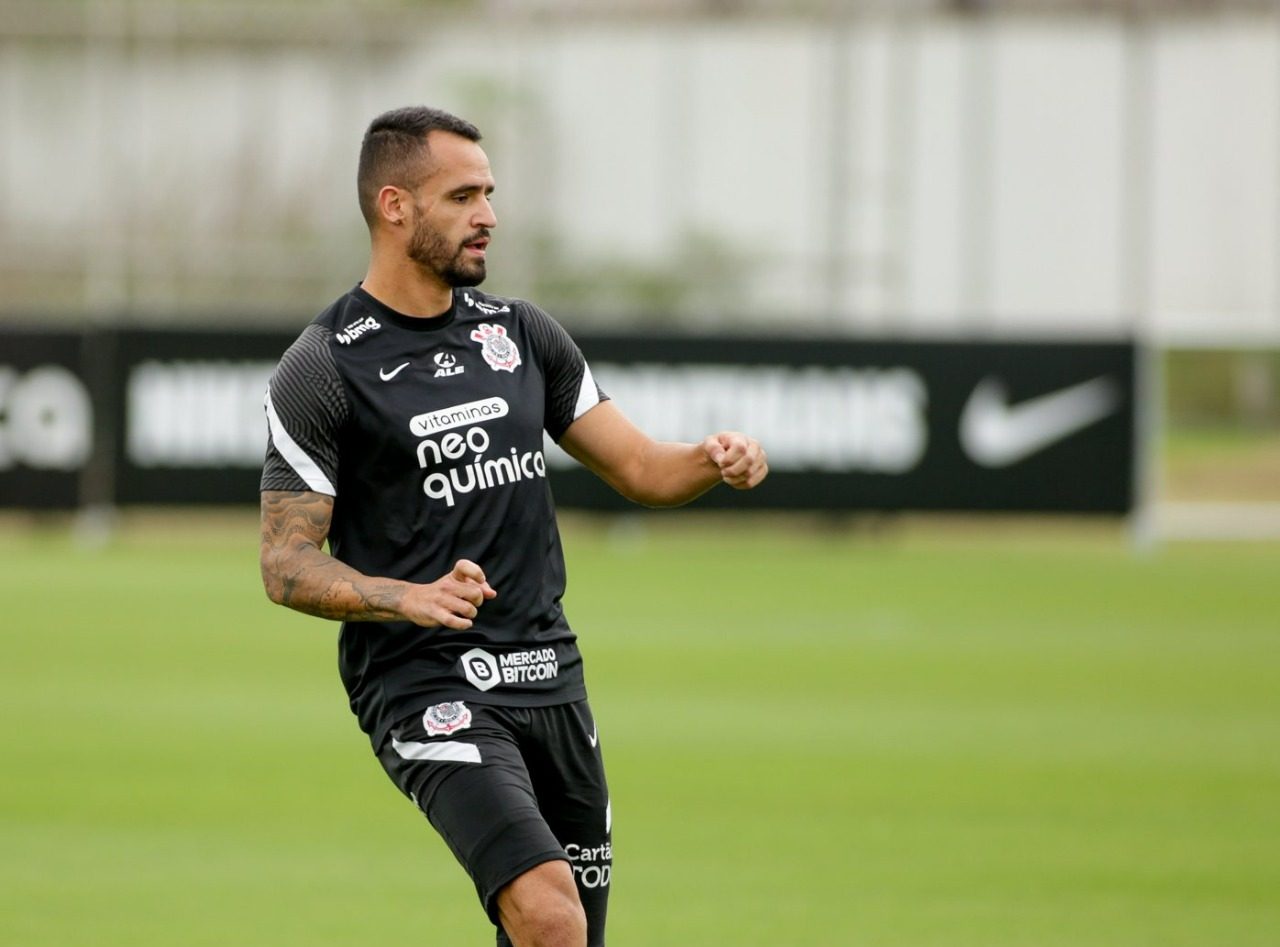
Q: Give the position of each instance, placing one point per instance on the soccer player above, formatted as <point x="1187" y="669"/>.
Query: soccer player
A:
<point x="406" y="430"/>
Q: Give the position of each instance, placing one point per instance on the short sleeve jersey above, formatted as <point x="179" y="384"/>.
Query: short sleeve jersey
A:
<point x="428" y="434"/>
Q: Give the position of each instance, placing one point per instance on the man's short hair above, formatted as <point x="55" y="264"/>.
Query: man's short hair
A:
<point x="395" y="148"/>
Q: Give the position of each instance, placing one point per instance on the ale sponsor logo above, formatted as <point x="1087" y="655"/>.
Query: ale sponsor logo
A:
<point x="447" y="365"/>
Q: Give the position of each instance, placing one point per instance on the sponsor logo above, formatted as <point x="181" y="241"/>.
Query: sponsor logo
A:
<point x="486" y="672"/>
<point x="388" y="375"/>
<point x="592" y="865"/>
<point x="447" y="364"/>
<point x="480" y="473"/>
<point x="447" y="718"/>
<point x="357" y="329"/>
<point x="46" y="419"/>
<point x="995" y="433"/>
<point x="433" y="422"/>
<point x="488" y="309"/>
<point x="498" y="350"/>
<point x="481" y="669"/>
<point x="595" y="734"/>
<point x="520" y="667"/>
<point x="456" y="459"/>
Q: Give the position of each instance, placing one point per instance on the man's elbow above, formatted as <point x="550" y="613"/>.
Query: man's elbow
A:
<point x="659" y="501"/>
<point x="273" y="583"/>
<point x="657" y="497"/>
<point x="643" y="492"/>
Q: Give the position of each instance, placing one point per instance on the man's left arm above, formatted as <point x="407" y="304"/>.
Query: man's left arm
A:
<point x="661" y="473"/>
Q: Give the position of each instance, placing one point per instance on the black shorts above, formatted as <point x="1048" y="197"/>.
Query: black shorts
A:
<point x="510" y="788"/>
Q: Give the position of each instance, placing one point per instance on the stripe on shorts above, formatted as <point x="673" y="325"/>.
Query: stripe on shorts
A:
<point x="449" y="751"/>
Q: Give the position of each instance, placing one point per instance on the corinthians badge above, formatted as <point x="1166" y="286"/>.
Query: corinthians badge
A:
<point x="498" y="350"/>
<point x="444" y="719"/>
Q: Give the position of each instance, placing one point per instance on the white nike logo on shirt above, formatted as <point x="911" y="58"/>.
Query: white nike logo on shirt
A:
<point x="595" y="734"/>
<point x="388" y="375"/>
<point x="995" y="433"/>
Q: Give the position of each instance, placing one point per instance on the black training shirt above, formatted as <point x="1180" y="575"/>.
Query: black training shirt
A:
<point x="428" y="434"/>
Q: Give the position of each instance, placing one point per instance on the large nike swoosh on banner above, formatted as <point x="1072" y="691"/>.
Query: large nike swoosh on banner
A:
<point x="995" y="433"/>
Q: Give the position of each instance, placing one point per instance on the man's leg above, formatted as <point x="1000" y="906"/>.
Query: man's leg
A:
<point x="567" y="771"/>
<point x="541" y="909"/>
<point x="474" y="787"/>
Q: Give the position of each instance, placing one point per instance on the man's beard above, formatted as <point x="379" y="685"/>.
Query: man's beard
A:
<point x="427" y="248"/>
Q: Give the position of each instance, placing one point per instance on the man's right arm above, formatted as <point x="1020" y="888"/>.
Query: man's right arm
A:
<point x="298" y="573"/>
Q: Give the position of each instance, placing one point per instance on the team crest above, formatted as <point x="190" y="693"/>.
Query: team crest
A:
<point x="443" y="719"/>
<point x="498" y="350"/>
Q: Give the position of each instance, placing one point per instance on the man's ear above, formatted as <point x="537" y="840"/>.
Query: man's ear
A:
<point x="393" y="204"/>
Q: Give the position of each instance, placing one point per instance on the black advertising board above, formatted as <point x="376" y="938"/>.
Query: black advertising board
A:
<point x="192" y="428"/>
<point x="47" y="418"/>
<point x="879" y="425"/>
<point x="176" y="418"/>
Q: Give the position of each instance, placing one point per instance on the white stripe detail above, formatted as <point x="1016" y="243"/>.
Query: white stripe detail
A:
<point x="451" y="751"/>
<point x="588" y="394"/>
<point x="303" y="465"/>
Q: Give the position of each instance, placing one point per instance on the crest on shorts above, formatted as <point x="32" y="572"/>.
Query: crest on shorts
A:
<point x="498" y="350"/>
<point x="444" y="719"/>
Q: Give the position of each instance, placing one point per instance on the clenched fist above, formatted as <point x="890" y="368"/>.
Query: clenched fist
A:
<point x="742" y="461"/>
<point x="451" y="601"/>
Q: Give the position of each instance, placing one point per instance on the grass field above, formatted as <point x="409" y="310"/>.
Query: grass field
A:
<point x="933" y="737"/>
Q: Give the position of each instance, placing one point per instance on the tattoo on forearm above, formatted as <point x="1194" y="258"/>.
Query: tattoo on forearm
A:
<point x="297" y="572"/>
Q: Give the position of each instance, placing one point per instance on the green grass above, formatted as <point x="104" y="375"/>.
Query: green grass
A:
<point x="933" y="738"/>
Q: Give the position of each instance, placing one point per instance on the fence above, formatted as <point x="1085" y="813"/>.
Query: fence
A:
<point x="888" y="174"/>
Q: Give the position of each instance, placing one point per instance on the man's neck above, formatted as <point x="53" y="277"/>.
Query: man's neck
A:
<point x="406" y="289"/>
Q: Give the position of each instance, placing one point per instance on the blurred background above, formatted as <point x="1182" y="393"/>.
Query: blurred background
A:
<point x="971" y="170"/>
<point x="982" y="726"/>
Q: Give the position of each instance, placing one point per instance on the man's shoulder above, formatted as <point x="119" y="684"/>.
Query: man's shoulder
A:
<point x="334" y="318"/>
<point x="314" y="350"/>
<point x="475" y="306"/>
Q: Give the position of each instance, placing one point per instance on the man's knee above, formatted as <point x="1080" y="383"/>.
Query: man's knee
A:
<point x="541" y="908"/>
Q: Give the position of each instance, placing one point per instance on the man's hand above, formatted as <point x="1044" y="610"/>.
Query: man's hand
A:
<point x="741" y="459"/>
<point x="452" y="601"/>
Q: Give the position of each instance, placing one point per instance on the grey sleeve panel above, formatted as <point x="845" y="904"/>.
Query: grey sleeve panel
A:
<point x="571" y="389"/>
<point x="306" y="406"/>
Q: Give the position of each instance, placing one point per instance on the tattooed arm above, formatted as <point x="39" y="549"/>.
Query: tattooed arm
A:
<point x="299" y="574"/>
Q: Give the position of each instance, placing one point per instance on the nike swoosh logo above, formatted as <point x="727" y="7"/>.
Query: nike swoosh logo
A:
<point x="595" y="734"/>
<point x="388" y="375"/>
<point x="995" y="433"/>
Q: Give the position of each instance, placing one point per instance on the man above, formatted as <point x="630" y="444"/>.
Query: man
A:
<point x="406" y="427"/>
